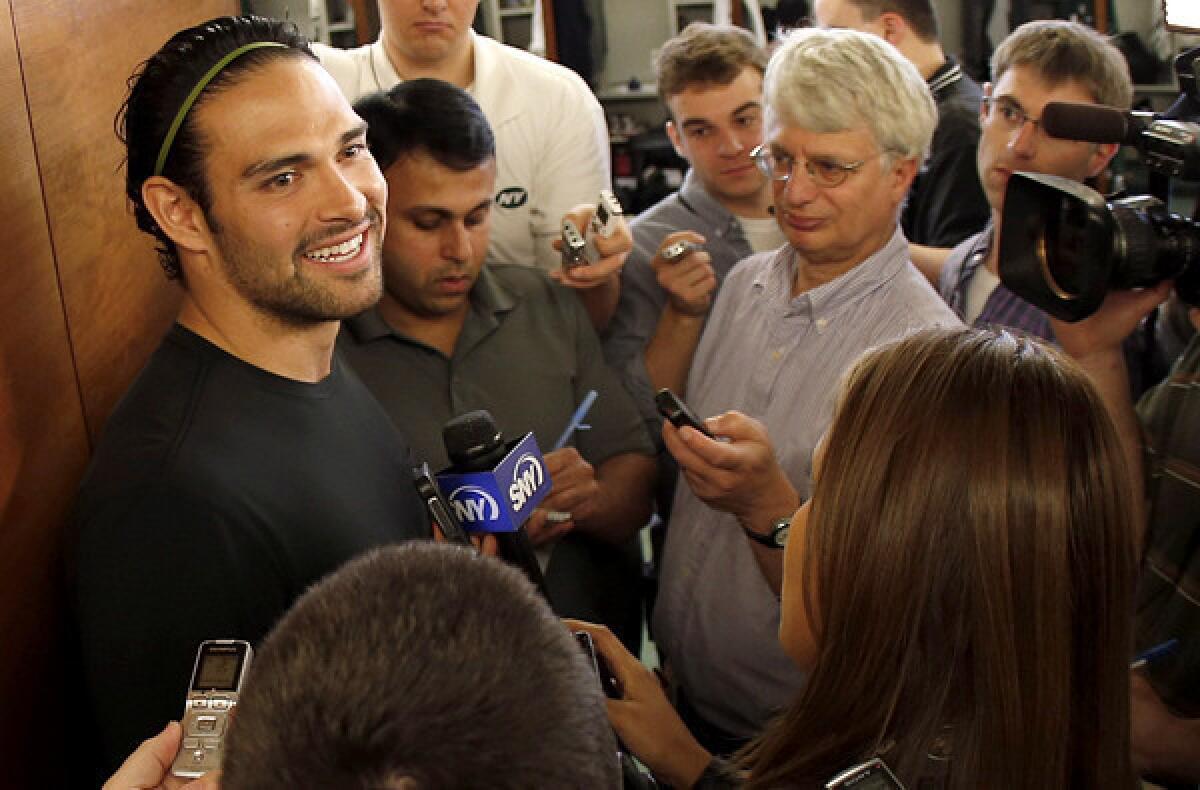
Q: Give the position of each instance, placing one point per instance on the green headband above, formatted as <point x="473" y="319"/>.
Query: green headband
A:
<point x="186" y="107"/>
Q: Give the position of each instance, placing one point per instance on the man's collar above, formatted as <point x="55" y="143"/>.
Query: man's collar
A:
<point x="696" y="198"/>
<point x="488" y="296"/>
<point x="827" y="299"/>
<point x="493" y="83"/>
<point x="946" y="75"/>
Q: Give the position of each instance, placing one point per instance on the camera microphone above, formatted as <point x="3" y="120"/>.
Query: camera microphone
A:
<point x="1095" y="123"/>
<point x="494" y="487"/>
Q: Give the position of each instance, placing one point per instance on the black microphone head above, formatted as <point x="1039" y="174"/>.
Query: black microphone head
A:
<point x="472" y="440"/>
<point x="1090" y="123"/>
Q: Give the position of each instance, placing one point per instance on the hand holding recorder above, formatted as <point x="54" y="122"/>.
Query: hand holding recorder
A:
<point x="642" y="716"/>
<point x="594" y="244"/>
<point x="147" y="768"/>
<point x="737" y="473"/>
<point x="685" y="272"/>
<point x="217" y="678"/>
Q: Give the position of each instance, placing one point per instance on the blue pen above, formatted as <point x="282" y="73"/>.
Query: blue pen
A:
<point x="1153" y="654"/>
<point x="576" y="419"/>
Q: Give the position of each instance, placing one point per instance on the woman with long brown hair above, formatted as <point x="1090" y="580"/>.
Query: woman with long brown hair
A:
<point x="958" y="588"/>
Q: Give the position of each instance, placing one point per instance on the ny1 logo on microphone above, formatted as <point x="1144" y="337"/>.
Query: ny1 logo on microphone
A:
<point x="473" y="504"/>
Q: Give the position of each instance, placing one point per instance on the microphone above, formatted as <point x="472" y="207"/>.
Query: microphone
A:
<point x="1095" y="123"/>
<point x="494" y="487"/>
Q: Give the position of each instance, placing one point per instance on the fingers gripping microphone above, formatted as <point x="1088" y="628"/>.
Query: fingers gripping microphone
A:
<point x="494" y="487"/>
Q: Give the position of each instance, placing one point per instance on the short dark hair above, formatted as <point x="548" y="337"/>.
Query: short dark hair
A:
<point x="426" y="664"/>
<point x="919" y="14"/>
<point x="430" y="116"/>
<point x="1060" y="51"/>
<point x="158" y="88"/>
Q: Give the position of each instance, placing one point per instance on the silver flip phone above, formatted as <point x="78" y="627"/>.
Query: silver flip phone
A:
<point x="217" y="678"/>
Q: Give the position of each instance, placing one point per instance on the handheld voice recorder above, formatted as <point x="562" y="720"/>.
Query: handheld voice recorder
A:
<point x="217" y="678"/>
<point x="676" y="251"/>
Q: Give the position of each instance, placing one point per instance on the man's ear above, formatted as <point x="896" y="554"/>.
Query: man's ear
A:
<point x="1101" y="156"/>
<point x="179" y="216"/>
<point x="895" y="28"/>
<point x="903" y="172"/>
<point x="675" y="138"/>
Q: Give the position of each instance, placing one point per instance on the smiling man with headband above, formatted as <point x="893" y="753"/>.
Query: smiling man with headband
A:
<point x="246" y="461"/>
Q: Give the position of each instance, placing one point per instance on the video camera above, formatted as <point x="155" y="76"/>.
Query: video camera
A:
<point x="1063" y="247"/>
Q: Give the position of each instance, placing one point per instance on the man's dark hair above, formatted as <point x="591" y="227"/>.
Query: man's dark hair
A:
<point x="421" y="665"/>
<point x="429" y="116"/>
<point x="158" y="88"/>
<point x="919" y="14"/>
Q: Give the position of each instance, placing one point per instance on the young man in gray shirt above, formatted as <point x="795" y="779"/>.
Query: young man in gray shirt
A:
<point x="710" y="78"/>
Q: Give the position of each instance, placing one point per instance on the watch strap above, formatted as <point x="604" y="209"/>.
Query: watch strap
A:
<point x="776" y="538"/>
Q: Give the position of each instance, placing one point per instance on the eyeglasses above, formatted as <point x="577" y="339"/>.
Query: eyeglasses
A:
<point x="1009" y="113"/>
<point x="825" y="173"/>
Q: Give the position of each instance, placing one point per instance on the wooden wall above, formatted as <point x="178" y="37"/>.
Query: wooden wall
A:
<point x="83" y="303"/>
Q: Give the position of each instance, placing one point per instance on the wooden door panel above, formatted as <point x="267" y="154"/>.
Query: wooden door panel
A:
<point x="118" y="301"/>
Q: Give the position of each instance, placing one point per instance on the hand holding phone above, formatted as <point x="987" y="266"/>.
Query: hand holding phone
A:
<point x="579" y="247"/>
<point x="677" y="412"/>
<point x="608" y="681"/>
<point x="217" y="679"/>
<point x="678" y="250"/>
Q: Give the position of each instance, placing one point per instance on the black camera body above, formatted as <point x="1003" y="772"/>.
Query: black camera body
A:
<point x="1063" y="247"/>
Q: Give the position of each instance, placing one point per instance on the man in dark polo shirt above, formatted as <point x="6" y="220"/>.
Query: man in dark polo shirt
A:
<point x="450" y="336"/>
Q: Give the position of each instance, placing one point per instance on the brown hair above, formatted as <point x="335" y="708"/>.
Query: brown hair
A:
<point x="1059" y="51"/>
<point x="972" y="551"/>
<point x="705" y="54"/>
<point x="919" y="14"/>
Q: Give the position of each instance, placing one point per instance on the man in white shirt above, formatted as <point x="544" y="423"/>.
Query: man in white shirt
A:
<point x="552" y="149"/>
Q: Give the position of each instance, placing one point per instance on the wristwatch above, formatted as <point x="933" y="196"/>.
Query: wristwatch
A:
<point x="776" y="538"/>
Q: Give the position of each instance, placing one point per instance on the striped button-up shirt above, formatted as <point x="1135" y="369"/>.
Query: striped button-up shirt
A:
<point x="779" y="359"/>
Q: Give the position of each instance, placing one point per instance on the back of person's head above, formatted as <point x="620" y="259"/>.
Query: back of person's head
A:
<point x="420" y="666"/>
<point x="427" y="116"/>
<point x="705" y="56"/>
<point x="157" y="120"/>
<point x="1060" y="51"/>
<point x="833" y="80"/>
<point x="968" y="563"/>
<point x="919" y="14"/>
<point x="791" y="14"/>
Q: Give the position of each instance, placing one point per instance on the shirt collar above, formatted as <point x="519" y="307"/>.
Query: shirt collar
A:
<point x="946" y="75"/>
<point x="486" y="91"/>
<point x="978" y="251"/>
<point x="831" y="298"/>
<point x="491" y="85"/>
<point x="489" y="297"/>
<point x="707" y="208"/>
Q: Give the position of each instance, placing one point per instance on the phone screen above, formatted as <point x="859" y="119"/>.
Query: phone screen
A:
<point x="219" y="668"/>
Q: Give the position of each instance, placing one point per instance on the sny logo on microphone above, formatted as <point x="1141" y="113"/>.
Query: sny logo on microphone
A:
<point x="473" y="504"/>
<point x="527" y="476"/>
